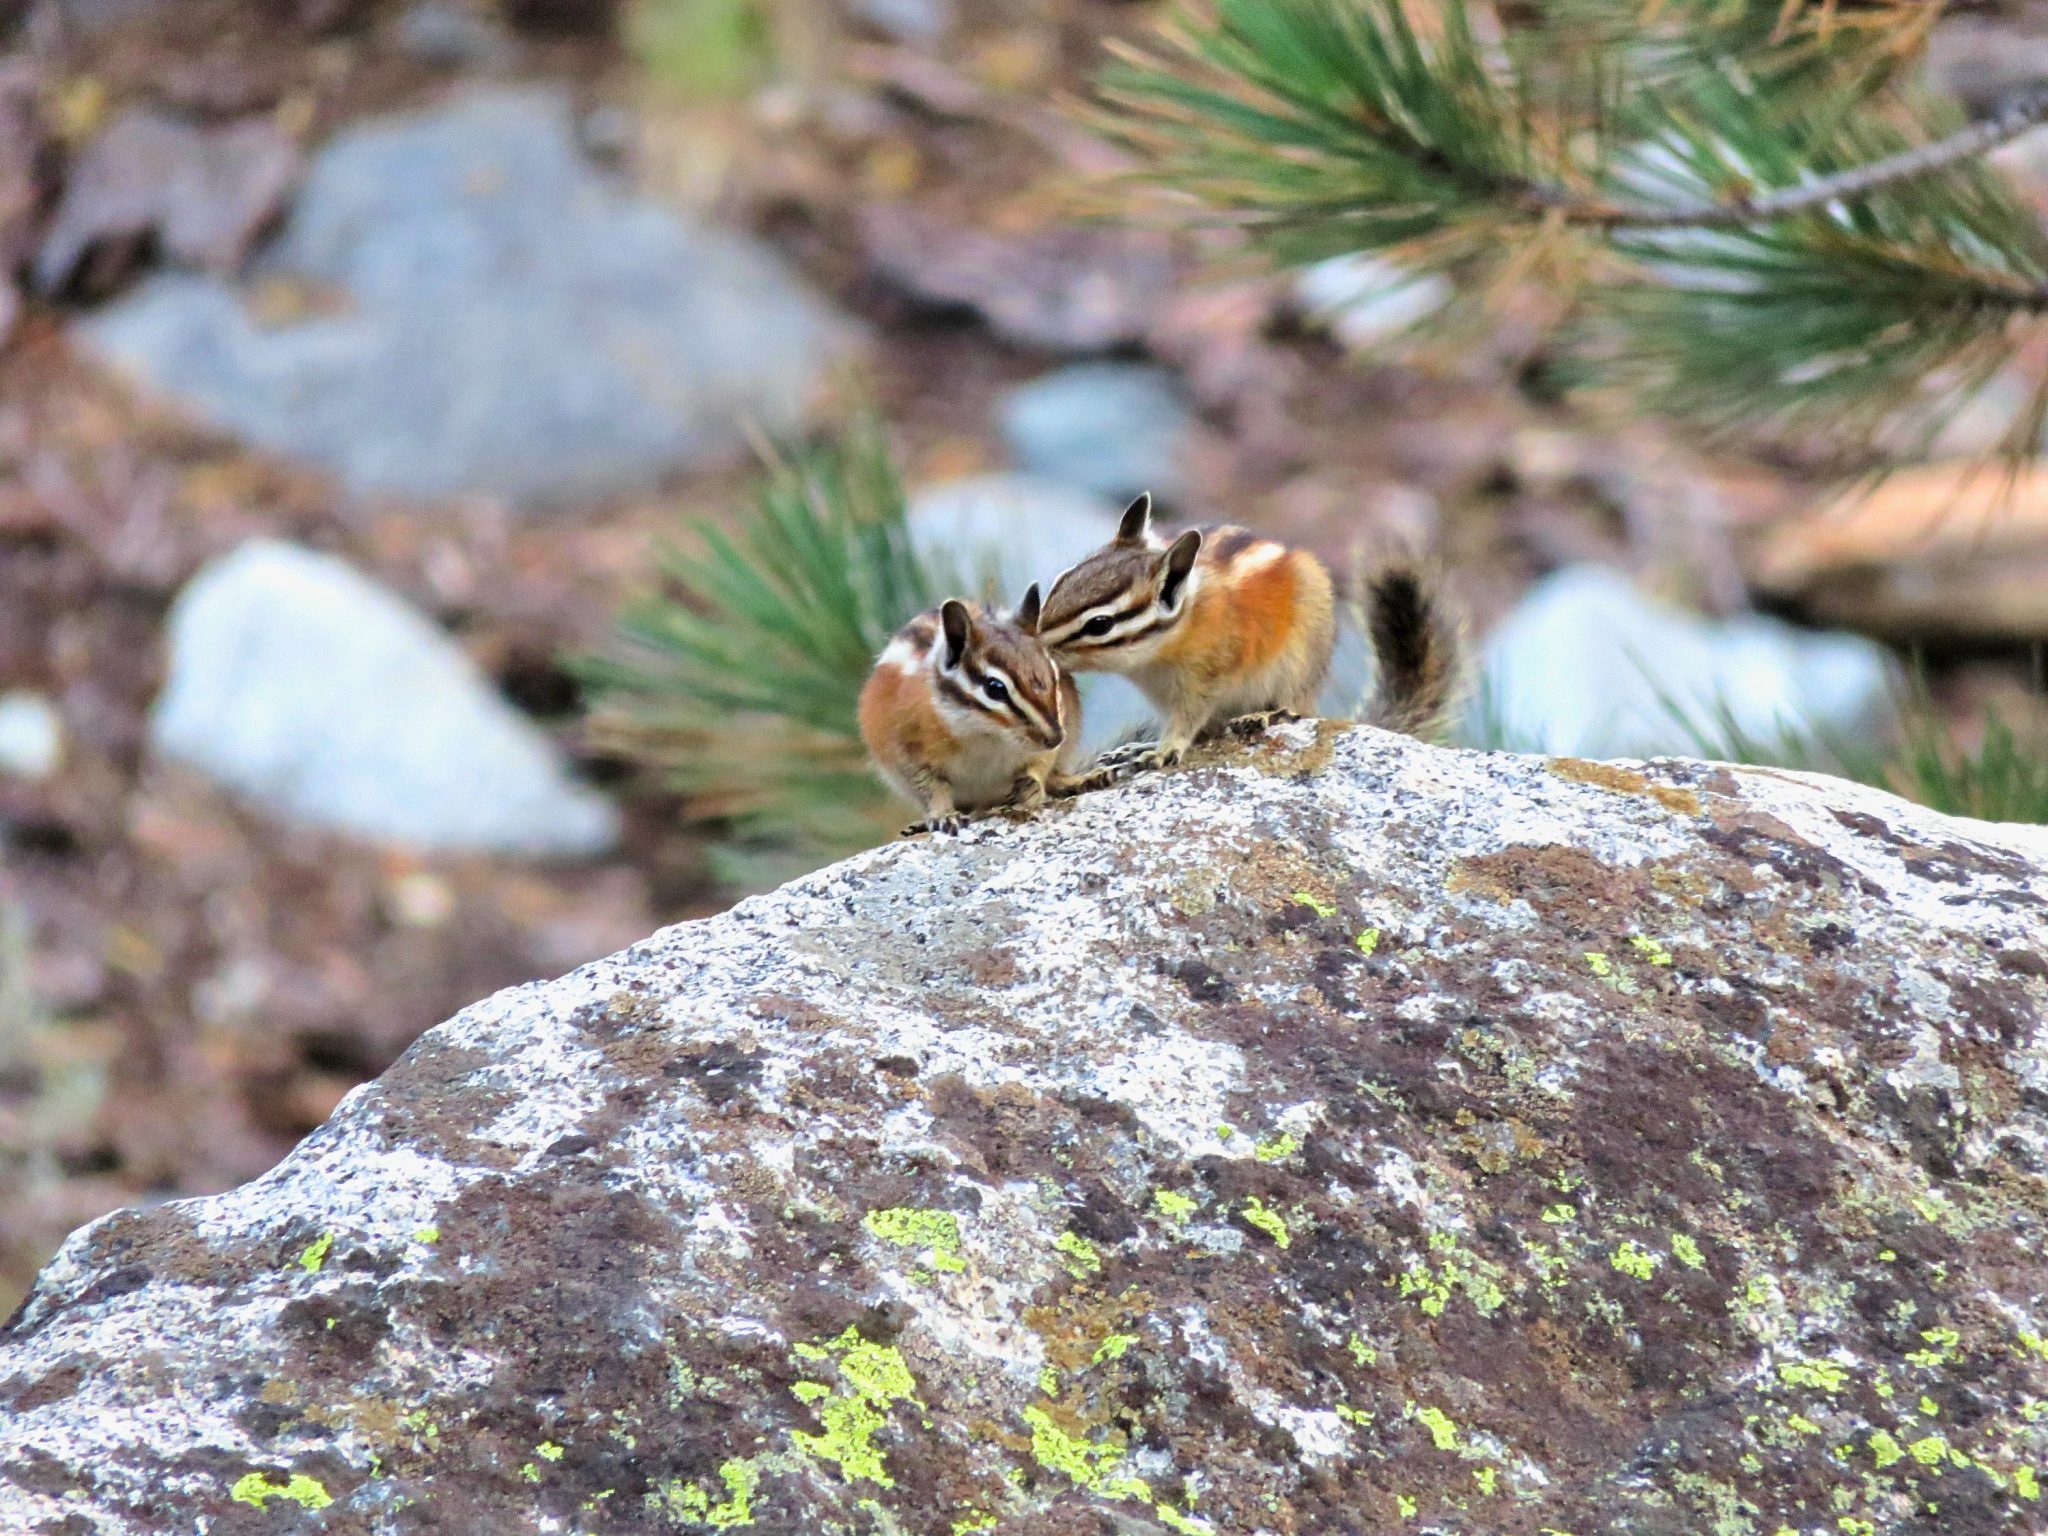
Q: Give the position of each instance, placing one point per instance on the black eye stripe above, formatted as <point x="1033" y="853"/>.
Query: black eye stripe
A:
<point x="1117" y="617"/>
<point x="979" y="700"/>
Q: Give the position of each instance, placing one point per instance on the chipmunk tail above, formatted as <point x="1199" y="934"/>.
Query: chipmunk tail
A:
<point x="1418" y="642"/>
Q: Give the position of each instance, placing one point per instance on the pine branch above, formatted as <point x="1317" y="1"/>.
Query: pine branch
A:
<point x="2026" y="109"/>
<point x="1869" y="266"/>
<point x="738" y="681"/>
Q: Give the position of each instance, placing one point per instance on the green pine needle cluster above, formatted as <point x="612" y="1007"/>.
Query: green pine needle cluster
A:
<point x="1741" y="212"/>
<point x="738" y="678"/>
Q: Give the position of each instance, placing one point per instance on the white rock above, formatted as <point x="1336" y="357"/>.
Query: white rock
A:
<point x="297" y="681"/>
<point x="31" y="736"/>
<point x="1366" y="300"/>
<point x="1579" y="666"/>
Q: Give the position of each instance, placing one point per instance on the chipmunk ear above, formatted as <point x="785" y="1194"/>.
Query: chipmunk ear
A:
<point x="1137" y="521"/>
<point x="1027" y="611"/>
<point x="1180" y="560"/>
<point x="956" y="625"/>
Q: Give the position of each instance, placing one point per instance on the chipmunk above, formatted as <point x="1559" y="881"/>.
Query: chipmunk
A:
<point x="967" y="712"/>
<point x="1222" y="628"/>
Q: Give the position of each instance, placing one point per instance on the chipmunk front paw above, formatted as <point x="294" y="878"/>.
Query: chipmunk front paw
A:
<point x="951" y="822"/>
<point x="1131" y="754"/>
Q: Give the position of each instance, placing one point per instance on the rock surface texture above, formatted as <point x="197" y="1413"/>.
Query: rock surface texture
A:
<point x="1337" y="1135"/>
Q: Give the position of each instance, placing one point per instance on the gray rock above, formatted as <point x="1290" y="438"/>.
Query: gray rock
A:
<point x="908" y="21"/>
<point x="299" y="682"/>
<point x="31" y="736"/>
<point x="1579" y="665"/>
<point x="1112" y="428"/>
<point x="451" y="34"/>
<point x="496" y="317"/>
<point x="1339" y="1135"/>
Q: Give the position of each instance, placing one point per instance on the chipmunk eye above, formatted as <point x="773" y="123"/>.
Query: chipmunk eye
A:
<point x="1101" y="624"/>
<point x="996" y="689"/>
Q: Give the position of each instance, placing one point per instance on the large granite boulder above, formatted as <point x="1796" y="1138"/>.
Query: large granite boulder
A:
<point x="1338" y="1135"/>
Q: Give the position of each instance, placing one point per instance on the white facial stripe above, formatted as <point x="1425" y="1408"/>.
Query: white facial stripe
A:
<point x="901" y="654"/>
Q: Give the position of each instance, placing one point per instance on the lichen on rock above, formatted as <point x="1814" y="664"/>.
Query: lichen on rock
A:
<point x="1082" y="1176"/>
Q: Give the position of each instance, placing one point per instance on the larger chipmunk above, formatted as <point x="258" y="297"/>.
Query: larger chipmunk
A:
<point x="1222" y="627"/>
<point x="966" y="712"/>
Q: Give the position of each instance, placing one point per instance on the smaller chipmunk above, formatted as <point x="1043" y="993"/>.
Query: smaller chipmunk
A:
<point x="1224" y="629"/>
<point x="967" y="712"/>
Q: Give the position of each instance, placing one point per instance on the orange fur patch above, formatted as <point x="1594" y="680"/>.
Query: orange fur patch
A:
<point x="1242" y="619"/>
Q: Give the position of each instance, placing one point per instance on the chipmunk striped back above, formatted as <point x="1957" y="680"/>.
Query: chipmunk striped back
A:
<point x="1221" y="624"/>
<point x="1217" y="624"/>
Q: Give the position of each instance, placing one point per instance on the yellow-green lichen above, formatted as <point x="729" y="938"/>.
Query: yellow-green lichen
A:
<point x="1632" y="1258"/>
<point x="2027" y="1483"/>
<point x="314" y="1254"/>
<point x="1443" y="1430"/>
<point x="1650" y="949"/>
<point x="873" y="1377"/>
<point x="1361" y="1351"/>
<point x="1258" y="1214"/>
<point x="428" y="1235"/>
<point x="974" y="1520"/>
<point x="687" y="1502"/>
<point x="1886" y="1449"/>
<point x="1457" y="1272"/>
<point x="547" y="1450"/>
<point x="1093" y="1467"/>
<point x="1558" y="1215"/>
<point x="256" y="1488"/>
<point x="909" y="1226"/>
<point x="1599" y="964"/>
<point x="1406" y="1505"/>
<point x="1368" y="941"/>
<point x="1687" y="1252"/>
<point x="1284" y="1145"/>
<point x="1049" y="1382"/>
<point x="1113" y="1347"/>
<point x="1820" y="1375"/>
<point x="1176" y="1208"/>
<point x="1930" y="1450"/>
<point x="1942" y="1347"/>
<point x="1079" y="1255"/>
<point x="1314" y="903"/>
<point x="1097" y="1468"/>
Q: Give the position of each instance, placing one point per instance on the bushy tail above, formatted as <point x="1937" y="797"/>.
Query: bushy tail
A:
<point x="1418" y="642"/>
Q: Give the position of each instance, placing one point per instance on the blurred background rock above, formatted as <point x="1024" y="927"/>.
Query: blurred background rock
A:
<point x="363" y="361"/>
